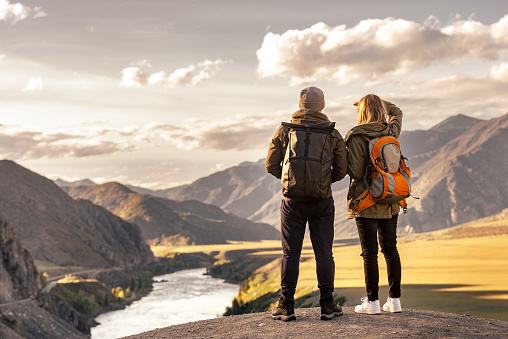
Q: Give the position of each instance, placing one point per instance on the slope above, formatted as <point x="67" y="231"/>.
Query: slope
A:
<point x="165" y="221"/>
<point x="463" y="180"/>
<point x="57" y="229"/>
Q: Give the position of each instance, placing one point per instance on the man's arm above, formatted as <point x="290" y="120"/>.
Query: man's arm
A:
<point x="275" y="154"/>
<point x="339" y="165"/>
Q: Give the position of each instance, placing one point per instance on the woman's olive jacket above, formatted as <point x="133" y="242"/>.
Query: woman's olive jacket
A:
<point x="358" y="159"/>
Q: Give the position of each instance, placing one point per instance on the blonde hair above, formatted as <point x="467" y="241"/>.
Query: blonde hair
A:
<point x="371" y="109"/>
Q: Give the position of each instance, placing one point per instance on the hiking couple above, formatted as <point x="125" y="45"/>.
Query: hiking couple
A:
<point x="311" y="145"/>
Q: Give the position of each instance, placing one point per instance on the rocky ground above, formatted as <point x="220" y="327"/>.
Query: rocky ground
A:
<point x="32" y="321"/>
<point x="408" y="324"/>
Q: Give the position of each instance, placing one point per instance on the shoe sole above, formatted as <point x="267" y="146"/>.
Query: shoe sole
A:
<point x="330" y="316"/>
<point x="392" y="311"/>
<point x="370" y="313"/>
<point x="285" y="318"/>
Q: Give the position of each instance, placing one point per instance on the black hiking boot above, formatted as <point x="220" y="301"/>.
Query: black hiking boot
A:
<point x="285" y="311"/>
<point x="329" y="309"/>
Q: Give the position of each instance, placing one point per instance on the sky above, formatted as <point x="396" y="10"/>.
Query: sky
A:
<point x="158" y="93"/>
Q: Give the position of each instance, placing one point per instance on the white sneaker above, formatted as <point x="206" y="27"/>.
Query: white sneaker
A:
<point x="392" y="305"/>
<point x="368" y="307"/>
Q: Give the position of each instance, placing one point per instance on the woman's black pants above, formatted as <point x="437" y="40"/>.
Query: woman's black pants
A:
<point x="386" y="229"/>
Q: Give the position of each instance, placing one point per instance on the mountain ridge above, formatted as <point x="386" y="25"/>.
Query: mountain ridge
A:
<point x="168" y="221"/>
<point x="61" y="230"/>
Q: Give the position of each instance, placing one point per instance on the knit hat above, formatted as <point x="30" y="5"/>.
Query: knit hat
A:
<point x="312" y="98"/>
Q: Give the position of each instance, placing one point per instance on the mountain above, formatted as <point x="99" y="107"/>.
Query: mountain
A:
<point x="240" y="189"/>
<point x="248" y="191"/>
<point x="175" y="222"/>
<point x="84" y="182"/>
<point x="58" y="229"/>
<point x="419" y="142"/>
<point x="455" y="170"/>
<point x="464" y="180"/>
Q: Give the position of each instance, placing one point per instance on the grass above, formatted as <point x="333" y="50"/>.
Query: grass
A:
<point x="465" y="275"/>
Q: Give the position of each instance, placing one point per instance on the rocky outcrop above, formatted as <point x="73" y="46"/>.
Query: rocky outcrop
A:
<point x="64" y="311"/>
<point x="18" y="275"/>
<point x="21" y="315"/>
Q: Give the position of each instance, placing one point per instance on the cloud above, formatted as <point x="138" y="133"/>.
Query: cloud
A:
<point x="191" y="75"/>
<point x="23" y="145"/>
<point x="34" y="84"/>
<point x="240" y="133"/>
<point x="500" y="72"/>
<point x="375" y="48"/>
<point x="16" y="12"/>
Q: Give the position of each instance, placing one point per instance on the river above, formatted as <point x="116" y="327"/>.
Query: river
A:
<point x="176" y="298"/>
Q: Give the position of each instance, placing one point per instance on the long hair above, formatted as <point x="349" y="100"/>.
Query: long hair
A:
<point x="371" y="109"/>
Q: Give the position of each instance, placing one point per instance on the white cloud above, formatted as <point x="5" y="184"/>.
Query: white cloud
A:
<point x="191" y="75"/>
<point x="133" y="77"/>
<point x="14" y="12"/>
<point x="34" y="84"/>
<point x="375" y="48"/>
<point x="500" y="72"/>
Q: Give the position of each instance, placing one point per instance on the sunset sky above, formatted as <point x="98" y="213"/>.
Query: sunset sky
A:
<point x="159" y="93"/>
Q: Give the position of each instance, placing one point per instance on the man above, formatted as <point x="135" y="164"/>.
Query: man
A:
<point x="316" y="208"/>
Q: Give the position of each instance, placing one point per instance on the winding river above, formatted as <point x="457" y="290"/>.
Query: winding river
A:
<point x="176" y="298"/>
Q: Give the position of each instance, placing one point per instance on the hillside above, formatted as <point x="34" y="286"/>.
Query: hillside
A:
<point x="164" y="221"/>
<point x="493" y="225"/>
<point x="58" y="229"/>
<point x="18" y="275"/>
<point x="463" y="180"/>
<point x="424" y="141"/>
<point x="20" y="315"/>
<point x="240" y="189"/>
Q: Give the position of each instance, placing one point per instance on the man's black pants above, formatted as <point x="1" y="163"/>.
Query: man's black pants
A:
<point x="294" y="217"/>
<point x="368" y="230"/>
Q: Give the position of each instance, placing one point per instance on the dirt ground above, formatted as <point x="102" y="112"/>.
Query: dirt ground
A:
<point x="408" y="324"/>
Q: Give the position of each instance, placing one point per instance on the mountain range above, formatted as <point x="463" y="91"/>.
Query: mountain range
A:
<point x="164" y="221"/>
<point x="58" y="229"/>
<point x="456" y="172"/>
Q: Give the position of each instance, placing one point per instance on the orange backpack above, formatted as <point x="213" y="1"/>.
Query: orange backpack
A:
<point x="387" y="177"/>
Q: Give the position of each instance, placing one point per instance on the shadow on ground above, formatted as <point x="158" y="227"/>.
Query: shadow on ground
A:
<point x="437" y="298"/>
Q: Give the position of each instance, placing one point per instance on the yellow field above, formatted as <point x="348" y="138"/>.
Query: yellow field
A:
<point x="468" y="275"/>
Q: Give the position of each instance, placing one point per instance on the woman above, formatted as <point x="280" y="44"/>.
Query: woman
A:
<point x="376" y="118"/>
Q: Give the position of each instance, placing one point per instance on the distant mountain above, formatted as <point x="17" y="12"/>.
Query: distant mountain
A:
<point x="84" y="182"/>
<point x="247" y="190"/>
<point x="464" y="180"/>
<point x="173" y="222"/>
<point x="240" y="189"/>
<point x="61" y="230"/>
<point x="419" y="142"/>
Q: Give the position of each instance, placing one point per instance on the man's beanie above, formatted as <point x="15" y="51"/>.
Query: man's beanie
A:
<point x="312" y="98"/>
